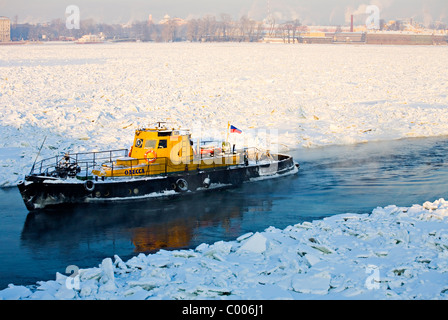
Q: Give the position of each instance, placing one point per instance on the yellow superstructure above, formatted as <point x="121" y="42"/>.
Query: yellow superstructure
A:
<point x="161" y="151"/>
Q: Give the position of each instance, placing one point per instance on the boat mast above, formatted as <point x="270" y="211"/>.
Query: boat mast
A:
<point x="32" y="169"/>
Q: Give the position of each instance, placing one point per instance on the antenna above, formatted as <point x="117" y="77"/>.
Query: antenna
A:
<point x="32" y="169"/>
<point x="159" y="123"/>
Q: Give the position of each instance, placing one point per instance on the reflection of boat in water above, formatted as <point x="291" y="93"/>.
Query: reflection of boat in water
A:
<point x="161" y="163"/>
<point x="161" y="225"/>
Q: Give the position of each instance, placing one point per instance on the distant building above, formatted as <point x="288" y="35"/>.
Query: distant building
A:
<point x="176" y="21"/>
<point x="5" y="29"/>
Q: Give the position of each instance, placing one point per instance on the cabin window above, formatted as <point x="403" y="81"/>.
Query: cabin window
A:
<point x="162" y="144"/>
<point x="150" y="144"/>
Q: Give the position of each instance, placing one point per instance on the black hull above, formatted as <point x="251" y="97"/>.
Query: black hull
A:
<point x="40" y="192"/>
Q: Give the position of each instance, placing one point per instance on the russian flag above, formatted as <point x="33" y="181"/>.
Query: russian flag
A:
<point x="234" y="129"/>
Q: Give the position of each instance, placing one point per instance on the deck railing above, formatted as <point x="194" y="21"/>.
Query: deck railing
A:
<point x="82" y="164"/>
<point x="85" y="161"/>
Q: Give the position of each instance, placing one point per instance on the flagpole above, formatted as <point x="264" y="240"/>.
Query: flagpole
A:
<point x="228" y="126"/>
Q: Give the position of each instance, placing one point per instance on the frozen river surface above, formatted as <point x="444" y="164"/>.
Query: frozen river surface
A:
<point x="332" y="180"/>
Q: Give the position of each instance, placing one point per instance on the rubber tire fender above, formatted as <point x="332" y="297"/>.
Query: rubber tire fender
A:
<point x="181" y="185"/>
<point x="89" y="185"/>
<point x="206" y="183"/>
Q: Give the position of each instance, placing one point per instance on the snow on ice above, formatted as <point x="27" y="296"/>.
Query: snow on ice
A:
<point x="93" y="97"/>
<point x="87" y="98"/>
<point x="391" y="253"/>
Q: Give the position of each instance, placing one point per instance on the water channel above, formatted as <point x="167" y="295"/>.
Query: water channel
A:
<point x="332" y="180"/>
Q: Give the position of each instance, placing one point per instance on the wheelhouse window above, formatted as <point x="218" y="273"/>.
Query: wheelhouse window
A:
<point x="162" y="144"/>
<point x="150" y="144"/>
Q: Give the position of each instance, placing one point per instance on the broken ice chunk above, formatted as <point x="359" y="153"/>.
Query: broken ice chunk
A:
<point x="255" y="244"/>
<point x="316" y="284"/>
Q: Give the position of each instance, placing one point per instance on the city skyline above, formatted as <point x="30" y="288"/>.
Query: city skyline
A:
<point x="323" y="12"/>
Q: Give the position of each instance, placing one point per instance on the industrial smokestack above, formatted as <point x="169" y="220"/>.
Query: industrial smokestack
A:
<point x="351" y="24"/>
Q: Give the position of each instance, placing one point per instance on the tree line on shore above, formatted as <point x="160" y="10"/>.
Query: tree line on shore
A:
<point x="207" y="28"/>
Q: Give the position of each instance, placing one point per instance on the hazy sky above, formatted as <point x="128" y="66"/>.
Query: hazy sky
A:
<point x="332" y="12"/>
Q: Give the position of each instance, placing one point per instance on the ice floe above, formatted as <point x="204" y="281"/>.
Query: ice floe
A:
<point x="391" y="253"/>
<point x="95" y="97"/>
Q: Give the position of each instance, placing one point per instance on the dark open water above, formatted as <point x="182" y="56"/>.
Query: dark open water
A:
<point x="332" y="180"/>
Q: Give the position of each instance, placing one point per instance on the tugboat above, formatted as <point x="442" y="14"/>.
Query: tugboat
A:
<point x="161" y="162"/>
